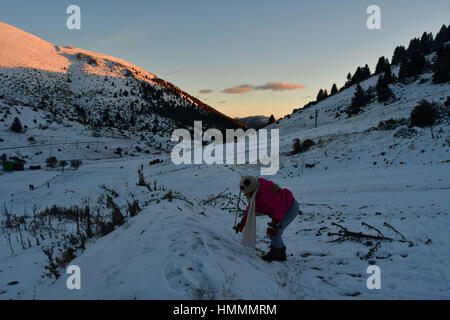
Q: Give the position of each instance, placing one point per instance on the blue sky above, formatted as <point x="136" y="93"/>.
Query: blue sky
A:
<point x="218" y="45"/>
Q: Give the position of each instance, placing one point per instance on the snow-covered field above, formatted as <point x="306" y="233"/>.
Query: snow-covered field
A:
<point x="172" y="250"/>
<point x="181" y="248"/>
<point x="173" y="238"/>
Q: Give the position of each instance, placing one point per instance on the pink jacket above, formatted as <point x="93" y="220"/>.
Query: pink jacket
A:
<point x="274" y="204"/>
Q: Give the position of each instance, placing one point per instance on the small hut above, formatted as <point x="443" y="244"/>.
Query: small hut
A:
<point x="10" y="165"/>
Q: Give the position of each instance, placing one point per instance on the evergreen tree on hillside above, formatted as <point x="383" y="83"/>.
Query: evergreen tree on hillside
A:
<point x="366" y="74"/>
<point x="319" y="95"/>
<point x="413" y="66"/>
<point x="442" y="36"/>
<point x="360" y="99"/>
<point x="442" y="65"/>
<point x="427" y="43"/>
<point x="417" y="63"/>
<point x="356" y="76"/>
<point x="271" y="120"/>
<point x="16" y="125"/>
<point x="334" y="89"/>
<point x="322" y="95"/>
<point x="405" y="69"/>
<point x="388" y="75"/>
<point x="381" y="65"/>
<point x="361" y="74"/>
<point x="349" y="80"/>
<point x="414" y="47"/>
<point x="424" y="115"/>
<point x="349" y="76"/>
<point x="383" y="91"/>
<point x="399" y="55"/>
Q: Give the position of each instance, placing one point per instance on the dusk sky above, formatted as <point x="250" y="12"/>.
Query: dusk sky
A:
<point x="241" y="57"/>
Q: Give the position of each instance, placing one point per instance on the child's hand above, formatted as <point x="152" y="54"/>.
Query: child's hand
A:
<point x="274" y="225"/>
<point x="240" y="226"/>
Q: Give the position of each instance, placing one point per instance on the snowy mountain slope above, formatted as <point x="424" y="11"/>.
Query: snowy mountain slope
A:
<point x="175" y="250"/>
<point x="185" y="249"/>
<point x="359" y="175"/>
<point x="357" y="142"/>
<point x="254" y="122"/>
<point x="44" y="136"/>
<point x="92" y="87"/>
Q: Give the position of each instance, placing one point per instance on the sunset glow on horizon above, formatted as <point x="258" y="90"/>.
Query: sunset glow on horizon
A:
<point x="239" y="58"/>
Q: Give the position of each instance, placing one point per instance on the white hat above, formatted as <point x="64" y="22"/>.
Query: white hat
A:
<point x="248" y="184"/>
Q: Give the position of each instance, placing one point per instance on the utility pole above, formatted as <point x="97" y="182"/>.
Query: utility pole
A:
<point x="51" y="137"/>
<point x="315" y="120"/>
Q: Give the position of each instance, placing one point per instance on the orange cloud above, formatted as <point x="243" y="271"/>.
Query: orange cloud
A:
<point x="274" y="86"/>
<point x="280" y="86"/>
<point x="239" y="89"/>
<point x="206" y="91"/>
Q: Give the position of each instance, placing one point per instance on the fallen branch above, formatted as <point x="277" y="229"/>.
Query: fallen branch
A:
<point x="395" y="230"/>
<point x="213" y="198"/>
<point x="344" y="233"/>
<point x="372" y="227"/>
<point x="372" y="251"/>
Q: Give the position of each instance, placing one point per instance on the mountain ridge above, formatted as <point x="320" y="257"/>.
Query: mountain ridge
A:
<point x="23" y="54"/>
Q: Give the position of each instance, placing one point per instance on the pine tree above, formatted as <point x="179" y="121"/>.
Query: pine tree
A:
<point x="417" y="63"/>
<point x="334" y="89"/>
<point x="424" y="115"/>
<point x="366" y="74"/>
<point x="381" y="65"/>
<point x="388" y="75"/>
<point x="442" y="65"/>
<point x="399" y="55"/>
<point x="349" y="76"/>
<point x="271" y="119"/>
<point x="322" y="95"/>
<point x="348" y="83"/>
<point x="414" y="47"/>
<point x="383" y="91"/>
<point x="441" y="37"/>
<point x="361" y="74"/>
<point x="413" y="66"/>
<point x="16" y="125"/>
<point x="426" y="43"/>
<point x="357" y="76"/>
<point x="359" y="100"/>
<point x="405" y="69"/>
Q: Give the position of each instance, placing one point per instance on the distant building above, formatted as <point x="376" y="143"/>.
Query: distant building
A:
<point x="9" y="165"/>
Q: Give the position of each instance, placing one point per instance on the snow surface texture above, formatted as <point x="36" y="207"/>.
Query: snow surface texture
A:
<point x="179" y="247"/>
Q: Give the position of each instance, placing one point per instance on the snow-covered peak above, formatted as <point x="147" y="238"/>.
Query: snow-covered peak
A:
<point x="89" y="86"/>
<point x="21" y="49"/>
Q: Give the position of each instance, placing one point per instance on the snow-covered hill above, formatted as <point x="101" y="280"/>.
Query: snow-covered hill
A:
<point x="362" y="141"/>
<point x="171" y="237"/>
<point x="254" y="122"/>
<point x="94" y="88"/>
